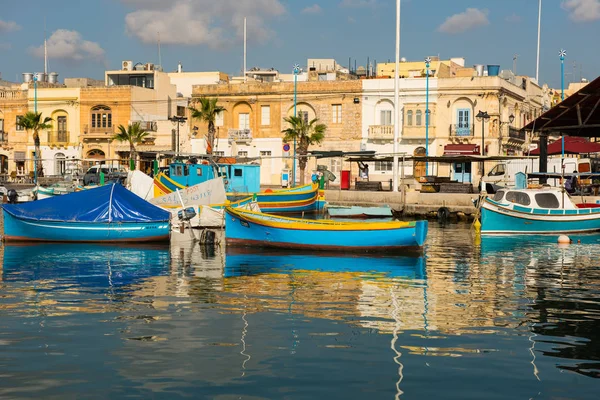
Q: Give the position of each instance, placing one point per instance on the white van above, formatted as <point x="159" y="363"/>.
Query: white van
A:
<point x="111" y="172"/>
<point x="503" y="174"/>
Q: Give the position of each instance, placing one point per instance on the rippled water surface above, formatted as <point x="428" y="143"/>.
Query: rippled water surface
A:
<point x="472" y="318"/>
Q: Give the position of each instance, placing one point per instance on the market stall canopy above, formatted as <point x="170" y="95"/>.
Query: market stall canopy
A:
<point x="577" y="115"/>
<point x="573" y="145"/>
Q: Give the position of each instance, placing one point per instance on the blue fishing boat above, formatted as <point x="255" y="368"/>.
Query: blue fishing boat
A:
<point x="108" y="213"/>
<point x="241" y="182"/>
<point x="338" y="211"/>
<point x="537" y="211"/>
<point x="242" y="261"/>
<point x="264" y="230"/>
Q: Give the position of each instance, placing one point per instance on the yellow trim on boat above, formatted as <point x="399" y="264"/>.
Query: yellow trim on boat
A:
<point x="275" y="221"/>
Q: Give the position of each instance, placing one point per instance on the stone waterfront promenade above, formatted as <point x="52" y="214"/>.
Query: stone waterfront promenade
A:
<point x="416" y="203"/>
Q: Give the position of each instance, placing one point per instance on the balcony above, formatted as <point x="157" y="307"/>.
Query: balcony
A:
<point x="418" y="132"/>
<point x="239" y="135"/>
<point x="58" y="138"/>
<point x="462" y="130"/>
<point x="98" y="133"/>
<point x="381" y="132"/>
<point x="515" y="133"/>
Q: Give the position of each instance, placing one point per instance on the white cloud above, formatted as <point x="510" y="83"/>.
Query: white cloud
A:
<point x="314" y="9"/>
<point x="464" y="21"/>
<point x="201" y="22"/>
<point x="582" y="10"/>
<point x="513" y="18"/>
<point x="358" y="3"/>
<point x="9" y="26"/>
<point x="69" y="45"/>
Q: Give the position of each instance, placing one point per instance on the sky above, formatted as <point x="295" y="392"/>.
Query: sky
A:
<point x="86" y="37"/>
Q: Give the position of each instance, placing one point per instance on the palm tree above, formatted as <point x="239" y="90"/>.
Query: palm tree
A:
<point x="208" y="113"/>
<point x="133" y="135"/>
<point x="306" y="134"/>
<point x="33" y="121"/>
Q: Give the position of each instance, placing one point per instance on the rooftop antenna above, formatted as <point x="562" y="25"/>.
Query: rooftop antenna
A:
<point x="159" y="58"/>
<point x="45" y="50"/>
<point x="515" y="64"/>
<point x="537" y="65"/>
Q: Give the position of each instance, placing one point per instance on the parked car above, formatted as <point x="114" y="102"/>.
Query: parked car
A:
<point x="111" y="173"/>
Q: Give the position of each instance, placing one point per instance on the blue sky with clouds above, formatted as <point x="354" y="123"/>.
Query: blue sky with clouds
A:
<point x="87" y="37"/>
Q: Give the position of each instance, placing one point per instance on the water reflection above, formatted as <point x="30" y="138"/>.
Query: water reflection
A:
<point x="474" y="312"/>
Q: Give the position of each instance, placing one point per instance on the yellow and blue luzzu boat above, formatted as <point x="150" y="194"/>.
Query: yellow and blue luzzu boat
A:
<point x="264" y="230"/>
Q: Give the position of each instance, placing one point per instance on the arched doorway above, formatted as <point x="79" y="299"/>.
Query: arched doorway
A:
<point x="60" y="164"/>
<point x="419" y="169"/>
<point x="94" y="156"/>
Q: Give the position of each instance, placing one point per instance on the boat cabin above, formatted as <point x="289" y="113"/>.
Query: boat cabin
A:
<point x="243" y="178"/>
<point x="548" y="198"/>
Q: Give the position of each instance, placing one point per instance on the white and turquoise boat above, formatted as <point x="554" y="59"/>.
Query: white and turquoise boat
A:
<point x="537" y="211"/>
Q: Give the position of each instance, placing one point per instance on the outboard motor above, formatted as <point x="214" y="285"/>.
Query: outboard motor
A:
<point x="186" y="214"/>
<point x="12" y="196"/>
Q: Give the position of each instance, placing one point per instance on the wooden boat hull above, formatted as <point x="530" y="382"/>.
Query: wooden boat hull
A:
<point x="258" y="229"/>
<point x="17" y="229"/>
<point x="502" y="220"/>
<point x="286" y="201"/>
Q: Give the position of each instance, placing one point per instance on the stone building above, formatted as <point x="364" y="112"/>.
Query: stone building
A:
<point x="254" y="115"/>
<point x="13" y="138"/>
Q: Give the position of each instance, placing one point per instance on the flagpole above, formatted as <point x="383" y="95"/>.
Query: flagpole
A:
<point x="396" y="99"/>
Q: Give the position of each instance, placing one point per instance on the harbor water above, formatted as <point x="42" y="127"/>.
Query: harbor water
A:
<point x="470" y="318"/>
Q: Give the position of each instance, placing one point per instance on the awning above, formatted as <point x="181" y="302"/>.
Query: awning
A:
<point x="573" y="145"/>
<point x="461" y="149"/>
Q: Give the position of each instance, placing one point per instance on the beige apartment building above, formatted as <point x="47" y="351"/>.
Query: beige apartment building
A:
<point x="254" y="115"/>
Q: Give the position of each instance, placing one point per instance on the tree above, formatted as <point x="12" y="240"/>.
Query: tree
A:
<point x="306" y="134"/>
<point x="208" y="113"/>
<point x="33" y="121"/>
<point x="133" y="135"/>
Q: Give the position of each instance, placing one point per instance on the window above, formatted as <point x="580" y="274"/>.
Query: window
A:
<point x="385" y="117"/>
<point x="101" y="118"/>
<point x="336" y="110"/>
<point x="219" y="118"/>
<point x="419" y="118"/>
<point x="463" y="119"/>
<point x="244" y="121"/>
<point x="409" y="118"/>
<point x="180" y="111"/>
<point x="519" y="198"/>
<point x="219" y="153"/>
<point x="199" y="171"/>
<point x="335" y="165"/>
<point x="498" y="170"/>
<point x="382" y="166"/>
<point x="237" y="172"/>
<point x="547" y="200"/>
<point x="1" y="125"/>
<point x="178" y="170"/>
<point x="499" y="195"/>
<point x="303" y="115"/>
<point x="18" y="125"/>
<point x="322" y="77"/>
<point x="242" y="153"/>
<point x="265" y="153"/>
<point x="3" y="135"/>
<point x="265" y="115"/>
<point x="60" y="164"/>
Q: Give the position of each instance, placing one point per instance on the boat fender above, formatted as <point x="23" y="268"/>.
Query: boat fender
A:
<point x="12" y="196"/>
<point x="443" y="214"/>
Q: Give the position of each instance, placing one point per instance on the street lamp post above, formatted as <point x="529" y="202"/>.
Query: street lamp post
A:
<point x="35" y="155"/>
<point x="178" y="121"/>
<point x="482" y="116"/>
<point x="562" y="53"/>
<point x="427" y="64"/>
<point x="297" y="70"/>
